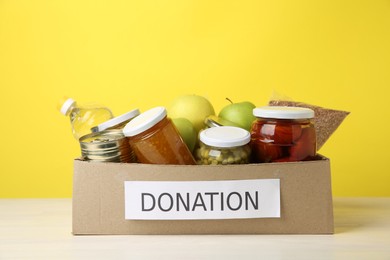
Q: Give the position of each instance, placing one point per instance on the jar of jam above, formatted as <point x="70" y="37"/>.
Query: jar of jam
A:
<point x="283" y="134"/>
<point x="223" y="145"/>
<point x="155" y="140"/>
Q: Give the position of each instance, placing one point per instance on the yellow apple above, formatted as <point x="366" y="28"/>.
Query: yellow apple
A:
<point x="192" y="107"/>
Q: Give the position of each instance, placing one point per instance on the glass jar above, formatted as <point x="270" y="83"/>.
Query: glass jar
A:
<point x="215" y="121"/>
<point x="223" y="145"/>
<point x="283" y="134"/>
<point x="155" y="140"/>
<point x="118" y="122"/>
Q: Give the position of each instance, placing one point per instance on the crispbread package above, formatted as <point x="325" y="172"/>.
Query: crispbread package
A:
<point x="326" y="120"/>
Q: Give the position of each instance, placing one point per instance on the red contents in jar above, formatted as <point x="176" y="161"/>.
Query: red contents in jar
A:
<point x="283" y="140"/>
<point x="303" y="147"/>
<point x="287" y="133"/>
<point x="266" y="151"/>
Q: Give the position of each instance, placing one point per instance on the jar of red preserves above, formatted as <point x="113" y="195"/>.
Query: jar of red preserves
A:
<point x="283" y="134"/>
<point x="155" y="140"/>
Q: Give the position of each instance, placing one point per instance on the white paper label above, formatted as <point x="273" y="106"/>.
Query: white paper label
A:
<point x="202" y="199"/>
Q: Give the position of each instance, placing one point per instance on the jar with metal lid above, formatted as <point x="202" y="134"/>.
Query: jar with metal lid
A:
<point x="118" y="122"/>
<point x="106" y="146"/>
<point x="223" y="145"/>
<point x="155" y="139"/>
<point x="283" y="134"/>
<point x="215" y="121"/>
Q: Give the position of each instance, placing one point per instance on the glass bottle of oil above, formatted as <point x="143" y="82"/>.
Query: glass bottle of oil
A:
<point x="83" y="118"/>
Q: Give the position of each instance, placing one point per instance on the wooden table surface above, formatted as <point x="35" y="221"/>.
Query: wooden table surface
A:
<point x="41" y="229"/>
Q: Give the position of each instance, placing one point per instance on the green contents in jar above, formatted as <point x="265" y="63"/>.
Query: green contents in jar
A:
<point x="209" y="155"/>
<point x="223" y="145"/>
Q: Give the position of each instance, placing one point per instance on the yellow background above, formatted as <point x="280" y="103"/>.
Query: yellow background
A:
<point x="128" y="54"/>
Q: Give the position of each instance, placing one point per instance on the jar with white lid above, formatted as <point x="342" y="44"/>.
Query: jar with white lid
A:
<point x="223" y="145"/>
<point x="155" y="139"/>
<point x="283" y="134"/>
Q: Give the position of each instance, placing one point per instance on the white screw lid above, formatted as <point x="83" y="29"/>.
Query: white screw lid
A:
<point x="116" y="120"/>
<point x="225" y="136"/>
<point x="145" y="121"/>
<point x="66" y="105"/>
<point x="283" y="112"/>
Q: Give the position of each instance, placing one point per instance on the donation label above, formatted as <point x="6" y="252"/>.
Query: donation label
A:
<point x="164" y="200"/>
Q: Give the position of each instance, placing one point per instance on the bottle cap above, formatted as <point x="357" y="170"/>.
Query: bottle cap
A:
<point x="116" y="120"/>
<point x="64" y="104"/>
<point x="145" y="121"/>
<point x="283" y="112"/>
<point x="225" y="136"/>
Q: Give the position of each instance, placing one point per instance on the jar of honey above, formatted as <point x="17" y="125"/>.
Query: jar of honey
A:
<point x="155" y="140"/>
<point x="283" y="134"/>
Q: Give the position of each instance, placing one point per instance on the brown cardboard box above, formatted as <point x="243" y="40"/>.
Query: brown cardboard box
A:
<point x="305" y="198"/>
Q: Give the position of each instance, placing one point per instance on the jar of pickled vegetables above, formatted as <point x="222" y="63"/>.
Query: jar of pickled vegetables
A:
<point x="283" y="134"/>
<point x="223" y="145"/>
<point x="155" y="140"/>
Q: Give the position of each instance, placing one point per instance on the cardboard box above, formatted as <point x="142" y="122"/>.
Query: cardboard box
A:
<point x="305" y="198"/>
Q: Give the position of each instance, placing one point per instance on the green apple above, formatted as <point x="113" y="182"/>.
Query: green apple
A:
<point x="239" y="113"/>
<point x="186" y="131"/>
<point x="192" y="107"/>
